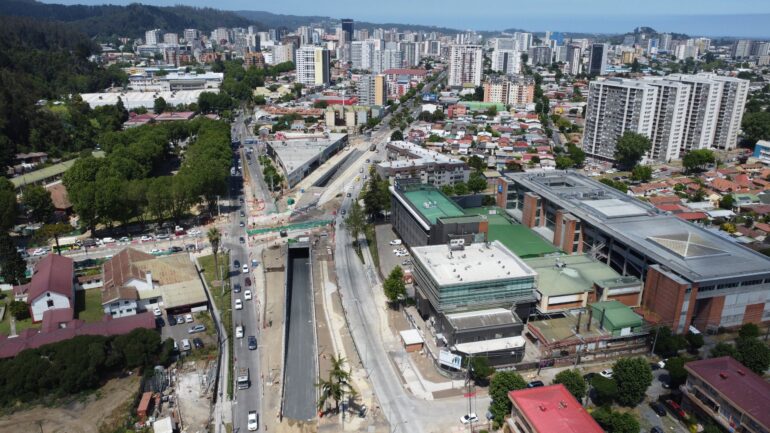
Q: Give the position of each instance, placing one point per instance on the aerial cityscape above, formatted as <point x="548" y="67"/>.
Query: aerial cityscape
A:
<point x="419" y="217"/>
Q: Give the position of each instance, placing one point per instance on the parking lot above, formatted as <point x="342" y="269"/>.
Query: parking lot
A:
<point x="180" y="331"/>
<point x="388" y="260"/>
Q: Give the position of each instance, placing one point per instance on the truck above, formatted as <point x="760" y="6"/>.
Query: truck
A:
<point x="243" y="378"/>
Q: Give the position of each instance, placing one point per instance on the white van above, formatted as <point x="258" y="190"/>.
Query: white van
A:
<point x="186" y="345"/>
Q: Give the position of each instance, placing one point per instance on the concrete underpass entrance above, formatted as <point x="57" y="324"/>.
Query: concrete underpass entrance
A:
<point x="300" y="366"/>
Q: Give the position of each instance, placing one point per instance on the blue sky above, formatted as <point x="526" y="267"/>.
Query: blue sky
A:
<point x="707" y="17"/>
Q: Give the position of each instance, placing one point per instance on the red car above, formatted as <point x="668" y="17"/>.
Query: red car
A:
<point x="674" y="406"/>
<point x="247" y="281"/>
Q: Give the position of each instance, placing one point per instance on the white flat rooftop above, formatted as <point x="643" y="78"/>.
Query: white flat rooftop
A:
<point x="297" y="151"/>
<point x="493" y="345"/>
<point x="136" y="99"/>
<point x="477" y="263"/>
<point x="411" y="336"/>
<point x="613" y="207"/>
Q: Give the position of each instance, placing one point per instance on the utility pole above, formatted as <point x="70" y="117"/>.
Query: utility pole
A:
<point x="655" y="341"/>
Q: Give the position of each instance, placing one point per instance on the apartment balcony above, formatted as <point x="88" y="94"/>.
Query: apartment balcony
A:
<point x="710" y="407"/>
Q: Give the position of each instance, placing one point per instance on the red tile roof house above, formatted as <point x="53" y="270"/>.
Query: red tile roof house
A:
<point x="52" y="286"/>
<point x="548" y="409"/>
<point x="726" y="391"/>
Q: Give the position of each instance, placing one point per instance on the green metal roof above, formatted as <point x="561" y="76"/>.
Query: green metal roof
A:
<point x="432" y="203"/>
<point x="616" y="315"/>
<point x="54" y="170"/>
<point x="518" y="238"/>
<point x="565" y="275"/>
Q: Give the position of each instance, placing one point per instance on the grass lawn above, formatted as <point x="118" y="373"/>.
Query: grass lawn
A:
<point x="88" y="305"/>
<point x="5" y="324"/>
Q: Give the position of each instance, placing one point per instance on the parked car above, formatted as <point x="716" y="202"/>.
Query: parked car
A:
<point x="247" y="295"/>
<point x="658" y="408"/>
<point x="242" y="224"/>
<point x="171" y="320"/>
<point x="237" y="288"/>
<point x="656" y="429"/>
<point x="253" y="421"/>
<point x="145" y="238"/>
<point x="242" y="240"/>
<point x="247" y="281"/>
<point x="195" y="329"/>
<point x="175" y="249"/>
<point x="535" y="384"/>
<point x="252" y="342"/>
<point x="124" y="239"/>
<point x="188" y="318"/>
<point x="238" y="304"/>
<point x="236" y="264"/>
<point x="243" y="214"/>
<point x="198" y="343"/>
<point x="674" y="406"/>
<point x="606" y="373"/>
<point x="239" y="331"/>
<point x="194" y="232"/>
<point x="157" y="312"/>
<point x="395" y="242"/>
<point x="469" y="418"/>
<point x="180" y="320"/>
<point x="186" y="345"/>
<point x="162" y="236"/>
<point x="108" y="240"/>
<point x="159" y="322"/>
<point x="254" y="263"/>
<point x="245" y="269"/>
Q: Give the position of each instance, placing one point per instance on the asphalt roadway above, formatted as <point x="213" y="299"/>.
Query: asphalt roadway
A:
<point x="299" y="400"/>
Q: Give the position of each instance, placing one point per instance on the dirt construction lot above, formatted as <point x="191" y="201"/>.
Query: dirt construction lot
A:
<point x="81" y="416"/>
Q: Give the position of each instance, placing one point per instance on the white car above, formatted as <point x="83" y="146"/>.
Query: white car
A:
<point x="193" y="232"/>
<point x="188" y="318"/>
<point x="245" y="269"/>
<point x="395" y="242"/>
<point x="253" y="421"/>
<point x="247" y="295"/>
<point x="606" y="373"/>
<point x="238" y="304"/>
<point x="145" y="238"/>
<point x="156" y="311"/>
<point x="470" y="418"/>
<point x="239" y="331"/>
<point x="39" y="252"/>
<point x="108" y="240"/>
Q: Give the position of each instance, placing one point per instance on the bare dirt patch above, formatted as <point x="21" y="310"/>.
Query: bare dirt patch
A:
<point x="104" y="406"/>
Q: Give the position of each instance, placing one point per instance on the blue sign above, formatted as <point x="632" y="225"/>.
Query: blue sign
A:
<point x="500" y="188"/>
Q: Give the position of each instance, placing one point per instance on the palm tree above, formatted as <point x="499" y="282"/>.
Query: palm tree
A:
<point x="337" y="386"/>
<point x="214" y="238"/>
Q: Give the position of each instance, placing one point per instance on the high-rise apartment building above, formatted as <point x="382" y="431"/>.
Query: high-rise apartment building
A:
<point x="614" y="107"/>
<point x="540" y="56"/>
<point x="221" y="36"/>
<point x="153" y="37"/>
<point x="362" y="53"/>
<point x="678" y="113"/>
<point x="574" y="59"/>
<point x="506" y="61"/>
<point x="347" y="28"/>
<point x="411" y="54"/>
<point x="387" y="59"/>
<point x="171" y="39"/>
<point x="597" y="59"/>
<point x="510" y="90"/>
<point x="741" y="49"/>
<point x="523" y="40"/>
<point x="282" y="53"/>
<point x="665" y="42"/>
<point x="504" y="44"/>
<point x="465" y="65"/>
<point x="372" y="89"/>
<point x="190" y="35"/>
<point x="313" y="66"/>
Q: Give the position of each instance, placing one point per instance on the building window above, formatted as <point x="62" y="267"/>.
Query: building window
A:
<point x="50" y="303"/>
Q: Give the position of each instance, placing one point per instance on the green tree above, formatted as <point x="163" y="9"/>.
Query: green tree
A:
<point x="448" y="189"/>
<point x="477" y="182"/>
<point x="460" y="188"/>
<point x="630" y="149"/>
<point x="754" y="354"/>
<point x="397" y="136"/>
<point x="727" y="201"/>
<point x="633" y="376"/>
<point x="694" y="341"/>
<point x="37" y="201"/>
<point x="666" y="343"/>
<point x="355" y="220"/>
<point x="616" y="422"/>
<point x="12" y="265"/>
<point x="7" y="203"/>
<point x="501" y="384"/>
<point x="480" y="370"/>
<point x="618" y="185"/>
<point x="477" y="163"/>
<point x="337" y="387"/>
<point x="394" y="285"/>
<point x="756" y="126"/>
<point x="748" y="330"/>
<point x="159" y="105"/>
<point x="214" y="237"/>
<point x="696" y="160"/>
<point x="642" y="173"/>
<point x="723" y="349"/>
<point x="573" y="381"/>
<point x="19" y="310"/>
<point x="564" y="162"/>
<point x="605" y="391"/>
<point x="676" y="372"/>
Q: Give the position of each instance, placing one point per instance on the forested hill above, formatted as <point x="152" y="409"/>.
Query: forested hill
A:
<point x="129" y="21"/>
<point x="44" y="60"/>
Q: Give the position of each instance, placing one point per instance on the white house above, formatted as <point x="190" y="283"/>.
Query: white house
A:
<point x="52" y="286"/>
